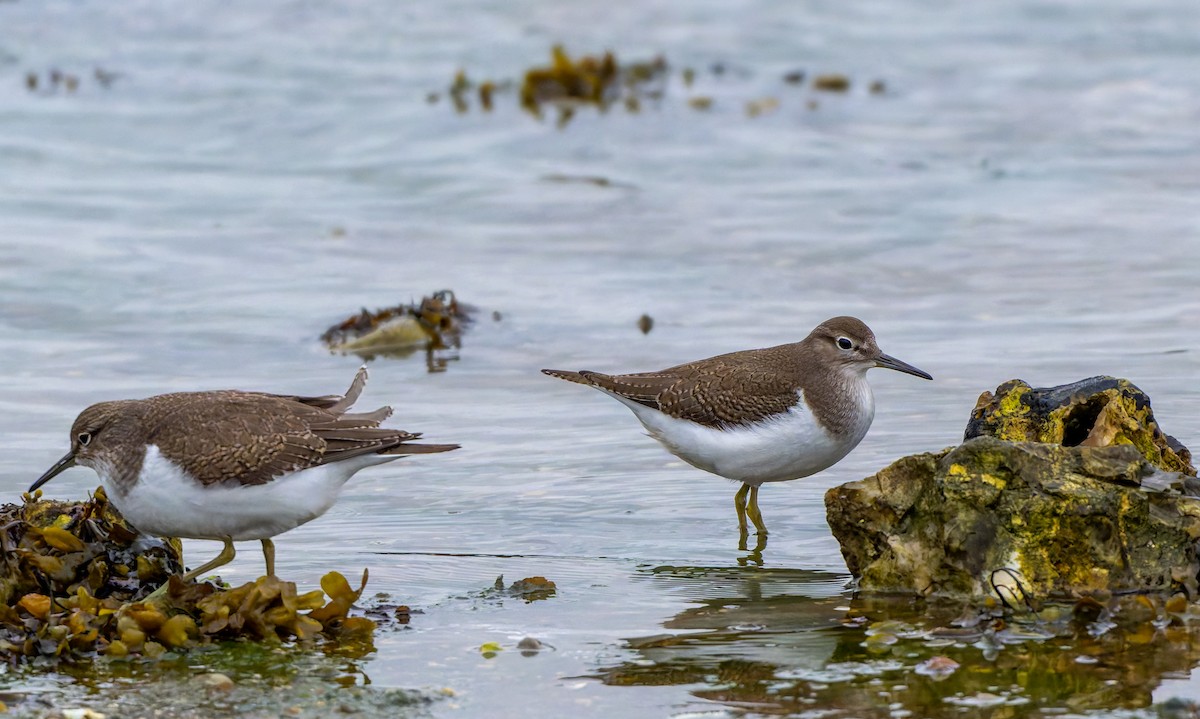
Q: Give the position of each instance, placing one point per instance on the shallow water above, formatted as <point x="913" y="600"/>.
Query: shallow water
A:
<point x="1020" y="202"/>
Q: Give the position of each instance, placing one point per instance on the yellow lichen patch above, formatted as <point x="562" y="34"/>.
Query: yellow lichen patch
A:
<point x="993" y="480"/>
<point x="1095" y="412"/>
<point x="1011" y="405"/>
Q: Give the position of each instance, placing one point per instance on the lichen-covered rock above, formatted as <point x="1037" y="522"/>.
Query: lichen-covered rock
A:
<point x="1013" y="513"/>
<point x="1094" y="412"/>
<point x="1060" y="521"/>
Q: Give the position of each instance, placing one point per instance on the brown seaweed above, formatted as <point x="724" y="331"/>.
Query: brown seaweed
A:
<point x="434" y="325"/>
<point x="77" y="579"/>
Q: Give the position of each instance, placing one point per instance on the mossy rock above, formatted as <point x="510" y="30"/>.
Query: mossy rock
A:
<point x="1019" y="519"/>
<point x="1055" y="493"/>
<point x="1094" y="412"/>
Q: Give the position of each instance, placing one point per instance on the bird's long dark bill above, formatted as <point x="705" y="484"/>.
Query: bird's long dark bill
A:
<point x="68" y="460"/>
<point x="893" y="363"/>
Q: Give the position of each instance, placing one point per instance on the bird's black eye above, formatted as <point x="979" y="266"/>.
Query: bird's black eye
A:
<point x="84" y="438"/>
<point x="845" y="343"/>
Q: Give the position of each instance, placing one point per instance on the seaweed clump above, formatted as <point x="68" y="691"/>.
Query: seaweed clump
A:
<point x="435" y="325"/>
<point x="601" y="81"/>
<point x="590" y="80"/>
<point x="77" y="577"/>
<point x="587" y="79"/>
<point x="569" y="83"/>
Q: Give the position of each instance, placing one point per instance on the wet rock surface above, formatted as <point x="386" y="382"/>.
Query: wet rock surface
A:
<point x="1056" y="493"/>
<point x="1094" y="412"/>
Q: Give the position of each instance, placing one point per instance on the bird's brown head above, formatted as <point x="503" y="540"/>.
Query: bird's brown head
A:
<point x="847" y="342"/>
<point x="92" y="437"/>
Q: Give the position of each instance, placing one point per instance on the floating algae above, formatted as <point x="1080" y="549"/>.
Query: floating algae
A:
<point x="76" y="575"/>
<point x="589" y="80"/>
<point x="434" y="325"/>
<point x="529" y="589"/>
<point x="832" y="82"/>
<point x="569" y="83"/>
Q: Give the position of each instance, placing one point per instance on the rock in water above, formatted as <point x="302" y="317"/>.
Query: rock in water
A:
<point x="1094" y="412"/>
<point x="1056" y="493"/>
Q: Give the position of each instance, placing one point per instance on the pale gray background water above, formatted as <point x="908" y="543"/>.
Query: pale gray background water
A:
<point x="1022" y="202"/>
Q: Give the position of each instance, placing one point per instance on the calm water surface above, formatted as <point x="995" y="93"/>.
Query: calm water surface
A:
<point x="1022" y="201"/>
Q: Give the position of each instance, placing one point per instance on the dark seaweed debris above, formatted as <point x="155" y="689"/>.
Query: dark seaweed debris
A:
<point x="530" y="589"/>
<point x="435" y="324"/>
<point x="76" y="577"/>
<point x="589" y="79"/>
<point x="55" y="80"/>
<point x="570" y="83"/>
<point x="53" y="549"/>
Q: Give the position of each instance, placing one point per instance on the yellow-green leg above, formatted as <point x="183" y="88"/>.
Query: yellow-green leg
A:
<point x="739" y="503"/>
<point x="753" y="513"/>
<point x="269" y="555"/>
<point x="225" y="557"/>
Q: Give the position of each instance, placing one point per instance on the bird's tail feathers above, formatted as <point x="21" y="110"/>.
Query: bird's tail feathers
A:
<point x="568" y="375"/>
<point x="419" y="449"/>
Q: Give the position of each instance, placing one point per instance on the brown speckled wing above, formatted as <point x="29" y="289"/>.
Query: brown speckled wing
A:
<point x="735" y="389"/>
<point x="253" y="438"/>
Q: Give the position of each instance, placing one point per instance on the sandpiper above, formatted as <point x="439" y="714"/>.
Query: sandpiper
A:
<point x="231" y="465"/>
<point x="762" y="415"/>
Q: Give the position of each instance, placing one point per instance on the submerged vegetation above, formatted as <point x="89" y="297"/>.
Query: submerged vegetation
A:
<point x="78" y="580"/>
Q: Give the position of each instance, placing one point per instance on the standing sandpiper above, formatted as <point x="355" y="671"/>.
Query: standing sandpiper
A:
<point x="231" y="465"/>
<point x="764" y="415"/>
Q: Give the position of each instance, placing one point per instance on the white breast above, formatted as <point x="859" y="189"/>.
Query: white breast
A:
<point x="789" y="446"/>
<point x="167" y="502"/>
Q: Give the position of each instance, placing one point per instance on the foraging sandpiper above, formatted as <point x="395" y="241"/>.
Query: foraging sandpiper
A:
<point x="762" y="415"/>
<point x="231" y="465"/>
